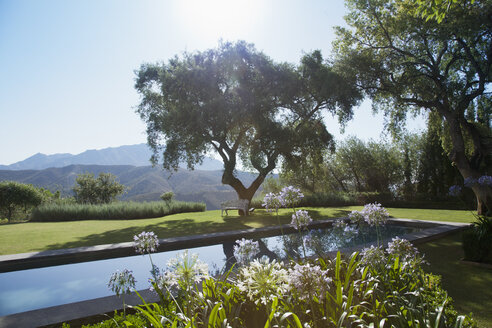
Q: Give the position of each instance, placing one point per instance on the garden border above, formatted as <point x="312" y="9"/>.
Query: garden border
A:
<point x="73" y="311"/>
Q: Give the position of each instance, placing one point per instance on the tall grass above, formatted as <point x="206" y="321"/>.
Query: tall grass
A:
<point x="113" y="211"/>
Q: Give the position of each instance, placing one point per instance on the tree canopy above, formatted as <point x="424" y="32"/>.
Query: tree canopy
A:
<point x="15" y="195"/>
<point x="101" y="190"/>
<point x="406" y="64"/>
<point x="237" y="102"/>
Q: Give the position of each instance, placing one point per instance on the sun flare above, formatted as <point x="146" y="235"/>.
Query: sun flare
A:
<point x="227" y="19"/>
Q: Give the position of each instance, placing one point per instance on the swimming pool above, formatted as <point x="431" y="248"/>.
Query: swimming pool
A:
<point x="38" y="288"/>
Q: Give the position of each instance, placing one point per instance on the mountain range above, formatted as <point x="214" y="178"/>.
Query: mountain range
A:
<point x="136" y="155"/>
<point x="130" y="165"/>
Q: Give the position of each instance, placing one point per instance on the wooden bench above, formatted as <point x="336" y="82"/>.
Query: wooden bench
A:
<point x="238" y="204"/>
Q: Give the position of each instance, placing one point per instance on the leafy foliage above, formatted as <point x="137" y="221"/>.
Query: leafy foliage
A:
<point x="17" y="196"/>
<point x="237" y="102"/>
<point x="406" y="65"/>
<point x="101" y="190"/>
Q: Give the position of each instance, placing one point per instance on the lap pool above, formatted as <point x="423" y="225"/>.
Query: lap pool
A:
<point x="38" y="288"/>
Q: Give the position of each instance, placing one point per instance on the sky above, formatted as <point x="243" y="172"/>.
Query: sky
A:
<point x="67" y="68"/>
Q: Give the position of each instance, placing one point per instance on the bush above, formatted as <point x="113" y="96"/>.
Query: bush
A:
<point x="477" y="241"/>
<point x="114" y="211"/>
<point x="167" y="196"/>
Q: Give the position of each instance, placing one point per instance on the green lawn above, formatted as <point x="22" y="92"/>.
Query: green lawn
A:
<point x="39" y="236"/>
<point x="468" y="285"/>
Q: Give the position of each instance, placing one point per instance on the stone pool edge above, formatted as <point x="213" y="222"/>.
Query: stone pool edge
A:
<point x="78" y="310"/>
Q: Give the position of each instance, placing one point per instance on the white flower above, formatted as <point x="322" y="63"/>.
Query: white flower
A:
<point x="339" y="224"/>
<point x="308" y="281"/>
<point x="263" y="281"/>
<point x="356" y="217"/>
<point x="290" y="196"/>
<point x="122" y="282"/>
<point x="185" y="270"/>
<point x="373" y="256"/>
<point x="406" y="252"/>
<point x="300" y="219"/>
<point x="146" y="242"/>
<point x="272" y="202"/>
<point x="245" y="250"/>
<point x="375" y="214"/>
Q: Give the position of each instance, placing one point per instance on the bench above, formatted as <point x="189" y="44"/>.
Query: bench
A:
<point x="238" y="204"/>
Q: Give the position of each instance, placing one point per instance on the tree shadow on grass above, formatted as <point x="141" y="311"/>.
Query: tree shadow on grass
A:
<point x="163" y="229"/>
<point x="468" y="285"/>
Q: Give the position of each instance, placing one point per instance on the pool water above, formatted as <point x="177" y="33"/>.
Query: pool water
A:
<point x="50" y="286"/>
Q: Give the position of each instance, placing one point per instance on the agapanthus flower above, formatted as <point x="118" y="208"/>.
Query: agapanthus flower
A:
<point x="185" y="270"/>
<point x="146" y="242"/>
<point x="271" y="202"/>
<point x="402" y="248"/>
<point x="406" y="252"/>
<point x="454" y="191"/>
<point x="308" y="240"/>
<point x="356" y="217"/>
<point x="246" y="250"/>
<point x="339" y="224"/>
<point x="122" y="282"/>
<point x="300" y="219"/>
<point x="309" y="280"/>
<point x="290" y="196"/>
<point x="375" y="214"/>
<point x="263" y="281"/>
<point x="373" y="256"/>
<point x="470" y="182"/>
<point x="485" y="180"/>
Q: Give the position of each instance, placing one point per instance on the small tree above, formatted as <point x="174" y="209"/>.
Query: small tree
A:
<point x="167" y="196"/>
<point x="101" y="190"/>
<point x="14" y="195"/>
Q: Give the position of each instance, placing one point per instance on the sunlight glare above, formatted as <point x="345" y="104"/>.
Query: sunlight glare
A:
<point x="228" y="19"/>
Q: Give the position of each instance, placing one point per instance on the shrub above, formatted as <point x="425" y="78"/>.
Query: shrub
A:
<point x="477" y="241"/>
<point x="114" y="211"/>
<point x="167" y="196"/>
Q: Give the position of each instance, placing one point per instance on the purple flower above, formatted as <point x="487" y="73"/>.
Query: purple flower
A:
<point x="300" y="219"/>
<point x="485" y="180"/>
<point x="470" y="182"/>
<point x="454" y="191"/>
<point x="272" y="202"/>
<point x="290" y="196"/>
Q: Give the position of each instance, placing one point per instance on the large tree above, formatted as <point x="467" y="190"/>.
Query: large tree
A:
<point x="405" y="64"/>
<point x="15" y="196"/>
<point x="237" y="102"/>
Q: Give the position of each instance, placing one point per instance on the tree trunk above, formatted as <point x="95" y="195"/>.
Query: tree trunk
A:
<point x="242" y="192"/>
<point x="465" y="167"/>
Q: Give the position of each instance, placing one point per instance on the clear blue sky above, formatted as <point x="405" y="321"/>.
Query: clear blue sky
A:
<point x="67" y="66"/>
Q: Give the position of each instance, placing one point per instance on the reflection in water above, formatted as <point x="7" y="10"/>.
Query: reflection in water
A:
<point x="43" y="287"/>
<point x="320" y="242"/>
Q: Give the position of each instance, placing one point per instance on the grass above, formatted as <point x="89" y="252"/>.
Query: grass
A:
<point x="467" y="284"/>
<point x="40" y="236"/>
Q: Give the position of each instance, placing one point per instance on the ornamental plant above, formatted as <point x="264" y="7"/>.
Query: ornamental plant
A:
<point x="122" y="283"/>
<point x="271" y="202"/>
<point x="245" y="250"/>
<point x="146" y="243"/>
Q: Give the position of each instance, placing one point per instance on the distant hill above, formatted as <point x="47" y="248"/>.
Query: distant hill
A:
<point x="145" y="182"/>
<point x="135" y="155"/>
